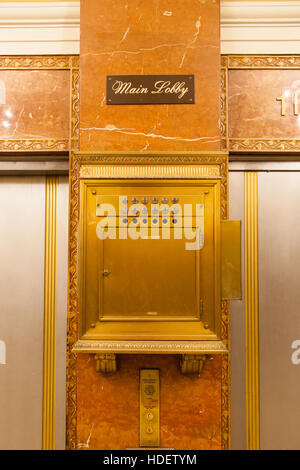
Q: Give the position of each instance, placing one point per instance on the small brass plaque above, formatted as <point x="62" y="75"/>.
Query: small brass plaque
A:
<point x="150" y="89"/>
<point x="231" y="260"/>
<point x="149" y="408"/>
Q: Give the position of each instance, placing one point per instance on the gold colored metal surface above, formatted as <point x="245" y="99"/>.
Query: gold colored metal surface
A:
<point x="128" y="158"/>
<point x="252" y="313"/>
<point x="192" y="363"/>
<point x="149" y="408"/>
<point x="106" y="363"/>
<point x="203" y="171"/>
<point x="50" y="314"/>
<point x="231" y="269"/>
<point x="154" y="286"/>
<point x="150" y="347"/>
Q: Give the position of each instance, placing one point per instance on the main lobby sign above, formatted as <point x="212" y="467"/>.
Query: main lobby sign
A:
<point x="150" y="89"/>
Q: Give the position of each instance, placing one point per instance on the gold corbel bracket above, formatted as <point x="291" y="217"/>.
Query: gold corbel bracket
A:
<point x="106" y="363"/>
<point x="192" y="363"/>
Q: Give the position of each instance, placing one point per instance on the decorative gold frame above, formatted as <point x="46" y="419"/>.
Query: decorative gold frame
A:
<point x="46" y="63"/>
<point x="247" y="145"/>
<point x="77" y="161"/>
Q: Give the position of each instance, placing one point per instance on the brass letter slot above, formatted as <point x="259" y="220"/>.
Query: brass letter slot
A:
<point x="149" y="408"/>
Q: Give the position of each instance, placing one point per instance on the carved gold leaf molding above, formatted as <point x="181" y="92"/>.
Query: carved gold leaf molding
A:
<point x="262" y="62"/>
<point x="142" y="171"/>
<point x="152" y="347"/>
<point x="261" y="145"/>
<point x="21" y="145"/>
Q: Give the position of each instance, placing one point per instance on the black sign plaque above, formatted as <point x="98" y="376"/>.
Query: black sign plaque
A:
<point x="150" y="89"/>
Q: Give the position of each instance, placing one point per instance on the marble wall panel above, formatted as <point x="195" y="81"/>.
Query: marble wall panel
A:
<point x="150" y="37"/>
<point x="34" y="104"/>
<point x="254" y="111"/>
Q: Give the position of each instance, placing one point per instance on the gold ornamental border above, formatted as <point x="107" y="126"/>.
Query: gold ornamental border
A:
<point x="259" y="144"/>
<point x="67" y="62"/>
<point x="78" y="159"/>
<point x="150" y="347"/>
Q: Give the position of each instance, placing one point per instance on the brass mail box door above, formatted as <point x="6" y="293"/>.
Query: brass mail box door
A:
<point x="148" y="279"/>
<point x="150" y="259"/>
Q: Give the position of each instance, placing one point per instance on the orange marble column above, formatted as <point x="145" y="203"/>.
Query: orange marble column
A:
<point x="139" y="37"/>
<point x="149" y="37"/>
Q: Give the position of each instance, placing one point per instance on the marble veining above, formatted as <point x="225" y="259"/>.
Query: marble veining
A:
<point x="254" y="110"/>
<point x="35" y="104"/>
<point x="153" y="37"/>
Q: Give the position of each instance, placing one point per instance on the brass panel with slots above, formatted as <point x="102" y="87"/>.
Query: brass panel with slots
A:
<point x="154" y="285"/>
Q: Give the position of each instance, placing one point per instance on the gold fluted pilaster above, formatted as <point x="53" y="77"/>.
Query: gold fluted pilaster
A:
<point x="49" y="384"/>
<point x="251" y="311"/>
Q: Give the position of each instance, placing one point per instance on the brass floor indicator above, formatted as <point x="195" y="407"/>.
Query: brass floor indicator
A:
<point x="149" y="408"/>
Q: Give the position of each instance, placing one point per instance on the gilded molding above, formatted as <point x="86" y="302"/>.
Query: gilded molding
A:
<point x="224" y="105"/>
<point x="252" y="312"/>
<point x="73" y="304"/>
<point x="49" y="374"/>
<point x="192" y="363"/>
<point x="106" y="363"/>
<point x="142" y="171"/>
<point x="150" y="347"/>
<point x="262" y="62"/>
<point x="35" y="62"/>
<point x="27" y="145"/>
<point x="151" y="158"/>
<point x="74" y="106"/>
<point x="263" y="145"/>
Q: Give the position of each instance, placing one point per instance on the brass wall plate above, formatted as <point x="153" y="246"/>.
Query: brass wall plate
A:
<point x="231" y="269"/>
<point x="150" y="295"/>
<point x="149" y="408"/>
<point x="149" y="288"/>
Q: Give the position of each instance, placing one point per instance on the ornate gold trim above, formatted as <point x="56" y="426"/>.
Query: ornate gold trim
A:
<point x="150" y="347"/>
<point x="49" y="380"/>
<point x="192" y="363"/>
<point x="264" y="145"/>
<point x="151" y="158"/>
<point x="224" y="104"/>
<point x="106" y="363"/>
<point x="143" y="171"/>
<point x="251" y="311"/>
<point x="73" y="310"/>
<point x="262" y="62"/>
<point x="42" y="62"/>
<point x="32" y="145"/>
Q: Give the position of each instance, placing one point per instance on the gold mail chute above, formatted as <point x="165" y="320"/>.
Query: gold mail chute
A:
<point x="151" y="255"/>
